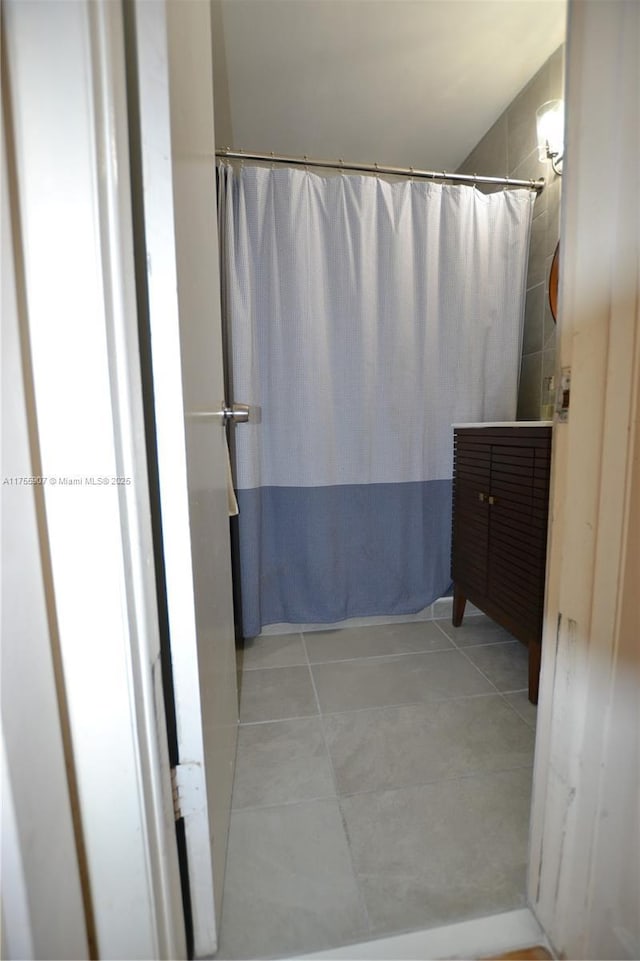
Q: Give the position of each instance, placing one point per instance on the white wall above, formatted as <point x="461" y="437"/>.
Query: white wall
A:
<point x="411" y="83"/>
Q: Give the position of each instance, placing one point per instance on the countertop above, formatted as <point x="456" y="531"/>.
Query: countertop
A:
<point x="510" y="423"/>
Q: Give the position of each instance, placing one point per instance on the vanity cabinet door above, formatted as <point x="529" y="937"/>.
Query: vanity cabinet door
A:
<point x="472" y="480"/>
<point x="516" y="558"/>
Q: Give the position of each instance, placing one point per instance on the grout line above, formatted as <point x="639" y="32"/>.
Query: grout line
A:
<point x="313" y="680"/>
<point x="383" y="707"/>
<point x="426" y="703"/>
<point x="363" y="657"/>
<point x="273" y="667"/>
<point x="461" y="650"/>
<point x="386" y="790"/>
<point x="503" y="694"/>
<point x="349" y="660"/>
<point x="526" y="720"/>
<point x="510" y="640"/>
<point x="334" y="778"/>
<point x="469" y="647"/>
<point x="277" y="720"/>
<point x="366" y="657"/>
<point x="284" y="804"/>
<point x="430" y="702"/>
<point x="377" y="657"/>
<point x="380" y="657"/>
<point x="377" y="707"/>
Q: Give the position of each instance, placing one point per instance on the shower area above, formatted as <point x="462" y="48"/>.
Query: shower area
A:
<point x="363" y="319"/>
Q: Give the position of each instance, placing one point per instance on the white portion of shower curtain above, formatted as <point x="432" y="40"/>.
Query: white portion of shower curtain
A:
<point x="364" y="318"/>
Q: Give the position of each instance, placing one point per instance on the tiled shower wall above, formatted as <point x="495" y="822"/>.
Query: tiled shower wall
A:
<point x="509" y="149"/>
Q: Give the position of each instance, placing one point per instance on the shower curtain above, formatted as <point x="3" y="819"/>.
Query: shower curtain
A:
<point x="364" y="318"/>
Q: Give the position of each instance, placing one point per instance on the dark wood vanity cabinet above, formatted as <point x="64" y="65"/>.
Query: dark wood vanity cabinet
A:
<point x="500" y="511"/>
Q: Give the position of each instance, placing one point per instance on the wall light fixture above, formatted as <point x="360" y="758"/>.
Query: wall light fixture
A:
<point x="550" y="129"/>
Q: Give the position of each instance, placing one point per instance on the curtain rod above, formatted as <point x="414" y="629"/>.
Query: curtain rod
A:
<point x="228" y="154"/>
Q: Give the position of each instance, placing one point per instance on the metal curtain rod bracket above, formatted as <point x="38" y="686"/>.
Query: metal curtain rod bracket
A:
<point x="228" y="154"/>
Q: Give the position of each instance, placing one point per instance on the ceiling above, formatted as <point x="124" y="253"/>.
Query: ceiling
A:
<point x="401" y="82"/>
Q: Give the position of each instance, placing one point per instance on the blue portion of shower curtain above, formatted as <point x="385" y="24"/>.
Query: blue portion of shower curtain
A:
<point x="363" y="319"/>
<point x="324" y="554"/>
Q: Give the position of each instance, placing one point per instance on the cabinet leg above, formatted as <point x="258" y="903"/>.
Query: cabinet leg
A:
<point x="535" y="653"/>
<point x="459" y="602"/>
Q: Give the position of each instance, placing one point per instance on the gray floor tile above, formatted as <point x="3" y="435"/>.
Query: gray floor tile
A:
<point x="400" y="746"/>
<point x="506" y="665"/>
<point x="290" y="886"/>
<point x="475" y="630"/>
<point x="520" y="702"/>
<point x="284" y="650"/>
<point x="383" y="639"/>
<point x="442" y="609"/>
<point x="281" y="762"/>
<point x="441" y="852"/>
<point x="410" y="678"/>
<point x="274" y="693"/>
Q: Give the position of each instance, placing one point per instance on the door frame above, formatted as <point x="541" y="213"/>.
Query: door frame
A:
<point x="584" y="764"/>
<point x="170" y="77"/>
<point x="65" y="80"/>
<point x="148" y="53"/>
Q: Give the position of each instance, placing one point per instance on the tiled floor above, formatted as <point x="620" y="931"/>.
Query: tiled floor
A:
<point x="382" y="784"/>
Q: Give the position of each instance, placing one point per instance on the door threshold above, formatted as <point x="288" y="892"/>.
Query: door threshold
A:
<point x="479" y="938"/>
